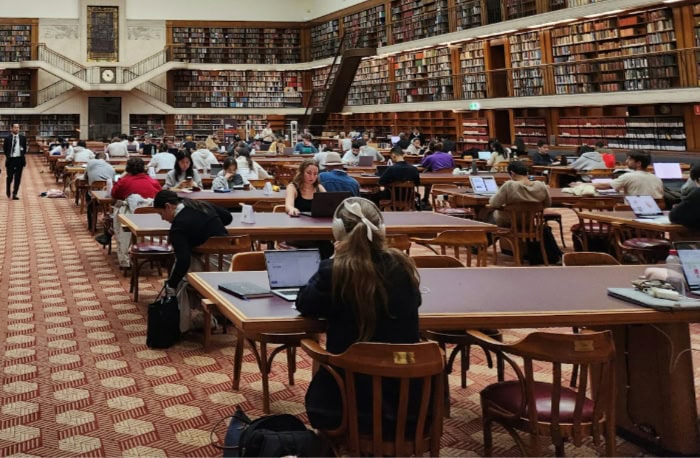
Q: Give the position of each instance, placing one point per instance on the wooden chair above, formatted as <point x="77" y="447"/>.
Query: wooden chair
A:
<point x="403" y="197"/>
<point x="289" y="342"/>
<point x="85" y="188"/>
<point x="552" y="215"/>
<point x="639" y="245"/>
<point x="267" y="206"/>
<point x="400" y="242"/>
<point x="284" y="175"/>
<point x="448" y="205"/>
<point x="500" y="167"/>
<point x="549" y="408"/>
<point x="589" y="258"/>
<point x="475" y="244"/>
<point x="405" y="364"/>
<point x="221" y="246"/>
<point x="526" y="225"/>
<point x="589" y="233"/>
<point x="436" y="261"/>
<point x="155" y="250"/>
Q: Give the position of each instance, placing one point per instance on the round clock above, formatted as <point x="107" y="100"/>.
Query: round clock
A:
<point x="107" y="75"/>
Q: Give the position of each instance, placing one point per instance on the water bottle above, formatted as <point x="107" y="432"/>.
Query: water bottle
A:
<point x="675" y="272"/>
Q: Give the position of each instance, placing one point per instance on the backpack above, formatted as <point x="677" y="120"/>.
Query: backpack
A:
<point x="270" y="435"/>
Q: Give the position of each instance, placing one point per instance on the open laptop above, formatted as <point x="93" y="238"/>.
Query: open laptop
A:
<point x="644" y="207"/>
<point x="324" y="204"/>
<point x="483" y="185"/>
<point x="215" y="169"/>
<point x="689" y="255"/>
<point x="670" y="174"/>
<point x="365" y="161"/>
<point x="395" y="139"/>
<point x="288" y="150"/>
<point x="289" y="270"/>
<point x="484" y="155"/>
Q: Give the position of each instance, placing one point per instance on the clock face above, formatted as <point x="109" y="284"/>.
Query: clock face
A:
<point x="108" y="75"/>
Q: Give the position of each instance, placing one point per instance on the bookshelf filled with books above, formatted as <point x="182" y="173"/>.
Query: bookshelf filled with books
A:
<point x="147" y="124"/>
<point x="223" y="126"/>
<point x="526" y="61"/>
<point x="423" y="76"/>
<point x="367" y="28"/>
<point x="16" y="88"/>
<point x="530" y="124"/>
<point x="472" y="70"/>
<point x="413" y="20"/>
<point x="371" y="83"/>
<point x="59" y="125"/>
<point x="696" y="41"/>
<point x="468" y="14"/>
<point x="520" y="8"/>
<point x="319" y="78"/>
<point x="325" y="38"/>
<point x="473" y="131"/>
<point x="16" y="37"/>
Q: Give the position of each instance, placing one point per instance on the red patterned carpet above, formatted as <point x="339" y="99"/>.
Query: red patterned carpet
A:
<point x="78" y="379"/>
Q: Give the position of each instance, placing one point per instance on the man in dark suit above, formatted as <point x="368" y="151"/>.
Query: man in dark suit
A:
<point x="14" y="147"/>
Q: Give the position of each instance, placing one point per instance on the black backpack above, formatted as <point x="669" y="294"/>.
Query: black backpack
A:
<point x="270" y="435"/>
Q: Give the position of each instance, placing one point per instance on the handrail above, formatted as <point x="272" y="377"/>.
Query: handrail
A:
<point x="52" y="91"/>
<point x="157" y="92"/>
<point x="51" y="57"/>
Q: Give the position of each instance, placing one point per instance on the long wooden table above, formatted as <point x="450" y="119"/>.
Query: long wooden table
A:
<point x="655" y="383"/>
<point x="627" y="218"/>
<point x="280" y="226"/>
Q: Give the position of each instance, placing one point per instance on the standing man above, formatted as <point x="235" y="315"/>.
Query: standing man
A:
<point x="15" y="147"/>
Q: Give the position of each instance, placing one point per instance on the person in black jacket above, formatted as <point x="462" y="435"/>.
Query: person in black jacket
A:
<point x="14" y="147"/>
<point x="687" y="212"/>
<point x="400" y="170"/>
<point x="367" y="292"/>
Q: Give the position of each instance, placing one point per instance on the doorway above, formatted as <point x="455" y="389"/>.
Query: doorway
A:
<point x="501" y="119"/>
<point x="499" y="74"/>
<point x="104" y="117"/>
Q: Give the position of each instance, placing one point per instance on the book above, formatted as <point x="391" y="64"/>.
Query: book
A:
<point x="245" y="290"/>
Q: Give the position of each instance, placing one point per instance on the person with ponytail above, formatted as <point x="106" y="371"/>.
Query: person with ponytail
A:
<point x="192" y="222"/>
<point x="367" y="292"/>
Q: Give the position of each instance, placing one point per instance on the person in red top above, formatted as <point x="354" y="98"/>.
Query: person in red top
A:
<point x="136" y="181"/>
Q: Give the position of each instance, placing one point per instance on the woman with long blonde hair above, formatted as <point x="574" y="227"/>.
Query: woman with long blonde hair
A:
<point x="367" y="292"/>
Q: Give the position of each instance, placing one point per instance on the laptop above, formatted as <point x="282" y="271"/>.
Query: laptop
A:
<point x="395" y="139"/>
<point x="289" y="270"/>
<point x="483" y="185"/>
<point x="288" y="150"/>
<point x="365" y="161"/>
<point x="670" y="174"/>
<point x="484" y="155"/>
<point x="214" y="169"/>
<point x="689" y="255"/>
<point x="380" y="170"/>
<point x="644" y="207"/>
<point x="324" y="204"/>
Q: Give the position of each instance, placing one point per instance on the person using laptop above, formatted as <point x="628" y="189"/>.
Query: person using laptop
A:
<point x="541" y="156"/>
<point x="335" y="179"/>
<point x="687" y="212"/>
<point x="352" y="157"/>
<point x="638" y="182"/>
<point x="305" y="146"/>
<point x="192" y="222"/>
<point x="367" y="292"/>
<point x="229" y="177"/>
<point x="248" y="168"/>
<point x="517" y="190"/>
<point x="415" y="148"/>
<point x="202" y="158"/>
<point x="693" y="182"/>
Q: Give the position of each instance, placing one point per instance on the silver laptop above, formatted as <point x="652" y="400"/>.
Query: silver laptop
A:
<point x="668" y="170"/>
<point x="689" y="255"/>
<point x="484" y="155"/>
<point x="644" y="207"/>
<point x="289" y="270"/>
<point x="365" y="161"/>
<point x="483" y="185"/>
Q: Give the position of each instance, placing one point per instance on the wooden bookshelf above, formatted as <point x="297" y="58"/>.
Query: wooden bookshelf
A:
<point x="367" y="28"/>
<point x="16" y="88"/>
<point x="223" y="126"/>
<point x="319" y="77"/>
<point x="696" y="33"/>
<point x="473" y="70"/>
<point x="235" y="45"/>
<point x="423" y="76"/>
<point x="474" y="130"/>
<point x="147" y="124"/>
<point x="520" y="8"/>
<point x="415" y="19"/>
<point x="235" y="89"/>
<point x="16" y="37"/>
<point x="59" y="125"/>
<point x="371" y="83"/>
<point x="468" y="14"/>
<point x="531" y="128"/>
<point x="325" y="38"/>
<point x="526" y="61"/>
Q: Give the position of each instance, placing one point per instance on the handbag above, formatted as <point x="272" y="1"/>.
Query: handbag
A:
<point x="163" y="329"/>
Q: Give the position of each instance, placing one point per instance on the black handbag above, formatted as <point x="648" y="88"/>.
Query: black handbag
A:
<point x="163" y="330"/>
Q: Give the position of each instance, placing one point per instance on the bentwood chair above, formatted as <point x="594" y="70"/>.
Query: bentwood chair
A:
<point x="550" y="409"/>
<point x="403" y="197"/>
<point x="526" y="225"/>
<point x="412" y="374"/>
<point x="475" y="244"/>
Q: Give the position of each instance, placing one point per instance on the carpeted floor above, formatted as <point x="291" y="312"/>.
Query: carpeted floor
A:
<point x="78" y="378"/>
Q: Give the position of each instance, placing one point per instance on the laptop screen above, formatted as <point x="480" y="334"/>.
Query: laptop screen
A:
<point x="483" y="184"/>
<point x="668" y="170"/>
<point x="395" y="139"/>
<point x="291" y="268"/>
<point x="689" y="254"/>
<point x="643" y="205"/>
<point x="365" y="161"/>
<point x="484" y="155"/>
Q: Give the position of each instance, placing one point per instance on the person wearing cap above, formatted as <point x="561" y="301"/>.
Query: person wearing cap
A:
<point x="335" y="179"/>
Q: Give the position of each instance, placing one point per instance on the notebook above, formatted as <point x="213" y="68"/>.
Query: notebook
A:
<point x="365" y="161"/>
<point x="689" y="255"/>
<point x="484" y="185"/>
<point x="324" y="204"/>
<point x="289" y="270"/>
<point x="484" y="155"/>
<point x="644" y="207"/>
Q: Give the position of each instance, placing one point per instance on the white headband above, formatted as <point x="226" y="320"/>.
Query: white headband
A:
<point x="356" y="210"/>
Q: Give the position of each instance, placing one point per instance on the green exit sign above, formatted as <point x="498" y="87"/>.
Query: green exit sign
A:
<point x="474" y="106"/>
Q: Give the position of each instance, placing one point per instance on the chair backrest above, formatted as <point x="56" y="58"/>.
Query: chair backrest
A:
<point x="589" y="258"/>
<point x="284" y="175"/>
<point x="501" y="166"/>
<point x="400" y="242"/>
<point x="403" y="195"/>
<point x="526" y="220"/>
<point x="594" y="352"/>
<point x="252" y="260"/>
<point x="267" y="206"/>
<point x="436" y="261"/>
<point x="98" y="185"/>
<point x="417" y="371"/>
<point x="475" y="242"/>
<point x="221" y="246"/>
<point x="259" y="184"/>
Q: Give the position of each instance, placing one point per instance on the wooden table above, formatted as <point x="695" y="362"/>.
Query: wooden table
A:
<point x="427" y="178"/>
<point x="206" y="178"/>
<point x="466" y="198"/>
<point x="627" y="218"/>
<point x="280" y="226"/>
<point x="648" y="342"/>
<point x="235" y="197"/>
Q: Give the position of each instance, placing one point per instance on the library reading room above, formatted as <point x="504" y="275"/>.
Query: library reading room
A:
<point x="194" y="189"/>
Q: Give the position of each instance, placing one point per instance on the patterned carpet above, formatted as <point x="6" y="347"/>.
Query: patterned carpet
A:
<point x="78" y="378"/>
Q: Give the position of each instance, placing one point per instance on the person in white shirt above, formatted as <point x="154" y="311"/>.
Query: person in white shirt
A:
<point x="267" y="135"/>
<point x="415" y="148"/>
<point x="638" y="182"/>
<point x="202" y="158"/>
<point x="367" y="150"/>
<point x="321" y="159"/>
<point x="248" y="168"/>
<point x="352" y="157"/>
<point x="162" y="161"/>
<point x="80" y="153"/>
<point x="64" y="149"/>
<point x="117" y="148"/>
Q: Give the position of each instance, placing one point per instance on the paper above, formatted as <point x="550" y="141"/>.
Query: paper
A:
<point x="267" y="189"/>
<point x="247" y="214"/>
<point x="109" y="187"/>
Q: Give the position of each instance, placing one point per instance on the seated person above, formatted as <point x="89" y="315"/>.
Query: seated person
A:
<point x="638" y="182"/>
<point x="541" y="156"/>
<point x="368" y="150"/>
<point x="498" y="154"/>
<point x="335" y="179"/>
<point x="400" y="170"/>
<point x="589" y="160"/>
<point x="305" y="146"/>
<point x="518" y="189"/>
<point x="439" y="160"/>
<point x="228" y="177"/>
<point x="606" y="154"/>
<point x="80" y="153"/>
<point x="687" y="212"/>
<point x="63" y="149"/>
<point x="693" y="182"/>
<point x="248" y="168"/>
<point x="192" y="222"/>
<point x="415" y="148"/>
<point x="117" y="148"/>
<point x="202" y="158"/>
<point x="277" y="146"/>
<point x="367" y="292"/>
<point x="183" y="176"/>
<point x="163" y="160"/>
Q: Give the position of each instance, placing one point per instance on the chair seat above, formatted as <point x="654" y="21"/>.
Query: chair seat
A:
<point x="151" y="247"/>
<point x="591" y="228"/>
<point x="508" y="395"/>
<point x="643" y="243"/>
